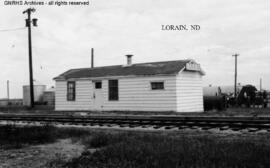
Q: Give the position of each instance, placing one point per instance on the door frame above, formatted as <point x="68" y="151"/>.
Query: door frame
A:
<point x="97" y="95"/>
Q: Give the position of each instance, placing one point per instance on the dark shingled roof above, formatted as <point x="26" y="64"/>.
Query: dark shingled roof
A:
<point x="153" y="68"/>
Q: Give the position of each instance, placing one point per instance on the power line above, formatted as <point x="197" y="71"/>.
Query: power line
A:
<point x="15" y="29"/>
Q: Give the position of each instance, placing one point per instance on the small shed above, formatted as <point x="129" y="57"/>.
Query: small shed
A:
<point x="49" y="97"/>
<point x="38" y="94"/>
<point x="156" y="86"/>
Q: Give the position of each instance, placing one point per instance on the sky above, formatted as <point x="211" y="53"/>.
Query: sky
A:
<point x="65" y="35"/>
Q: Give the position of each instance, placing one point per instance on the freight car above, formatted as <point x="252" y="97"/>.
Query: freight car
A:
<point x="248" y="96"/>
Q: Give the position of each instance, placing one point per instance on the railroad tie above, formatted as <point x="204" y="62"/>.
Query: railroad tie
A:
<point x="224" y="128"/>
<point x="134" y="125"/>
<point x="183" y="127"/>
<point x="170" y="127"/>
<point x="157" y="126"/>
<point x="206" y="128"/>
<point x="252" y="129"/>
<point x="111" y="125"/>
<point x="124" y="125"/>
<point x="194" y="127"/>
<point x="236" y="128"/>
<point x="147" y="126"/>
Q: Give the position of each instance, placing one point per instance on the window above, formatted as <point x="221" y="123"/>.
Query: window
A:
<point x="98" y="85"/>
<point x="71" y="90"/>
<point x="113" y="89"/>
<point x="157" y="85"/>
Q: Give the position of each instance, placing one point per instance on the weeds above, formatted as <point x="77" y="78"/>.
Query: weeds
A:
<point x="101" y="139"/>
<point x="58" y="161"/>
<point x="145" y="150"/>
<point x="159" y="151"/>
<point x="17" y="137"/>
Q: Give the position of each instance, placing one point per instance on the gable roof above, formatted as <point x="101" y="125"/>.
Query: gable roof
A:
<point x="152" y="68"/>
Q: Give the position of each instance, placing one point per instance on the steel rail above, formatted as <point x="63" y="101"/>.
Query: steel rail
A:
<point x="132" y="121"/>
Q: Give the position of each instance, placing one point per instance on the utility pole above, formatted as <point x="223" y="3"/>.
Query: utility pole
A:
<point x="235" y="77"/>
<point x="8" y="89"/>
<point x="28" y="24"/>
<point x="260" y="84"/>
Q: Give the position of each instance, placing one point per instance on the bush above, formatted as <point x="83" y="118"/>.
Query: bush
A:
<point x="16" y="137"/>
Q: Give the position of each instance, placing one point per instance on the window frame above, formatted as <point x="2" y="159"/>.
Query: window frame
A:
<point x="112" y="97"/>
<point x="71" y="91"/>
<point x="96" y="82"/>
<point x="157" y="82"/>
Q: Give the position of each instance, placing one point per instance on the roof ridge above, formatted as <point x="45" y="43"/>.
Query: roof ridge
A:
<point x="146" y="68"/>
<point x="131" y="65"/>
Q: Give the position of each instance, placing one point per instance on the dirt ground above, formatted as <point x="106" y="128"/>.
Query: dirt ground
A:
<point x="40" y="156"/>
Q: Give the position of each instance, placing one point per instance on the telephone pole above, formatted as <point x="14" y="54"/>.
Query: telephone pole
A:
<point x="260" y="84"/>
<point x="28" y="22"/>
<point x="235" y="77"/>
<point x="8" y="89"/>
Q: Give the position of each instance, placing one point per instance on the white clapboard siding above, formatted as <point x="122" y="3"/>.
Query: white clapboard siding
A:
<point x="189" y="92"/>
<point x="83" y="96"/>
<point x="182" y="93"/>
<point x="135" y="94"/>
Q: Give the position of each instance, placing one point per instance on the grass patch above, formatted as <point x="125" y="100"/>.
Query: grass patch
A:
<point x="115" y="149"/>
<point x="133" y="150"/>
<point x="16" y="137"/>
<point x="102" y="139"/>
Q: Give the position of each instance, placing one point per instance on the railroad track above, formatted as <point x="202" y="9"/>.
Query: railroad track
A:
<point x="252" y="124"/>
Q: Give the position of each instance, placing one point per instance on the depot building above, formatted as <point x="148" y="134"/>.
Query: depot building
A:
<point x="156" y="86"/>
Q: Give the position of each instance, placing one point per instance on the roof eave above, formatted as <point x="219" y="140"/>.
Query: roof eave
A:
<point x="111" y="77"/>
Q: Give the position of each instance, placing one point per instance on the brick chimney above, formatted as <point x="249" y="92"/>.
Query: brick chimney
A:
<point x="92" y="57"/>
<point x="129" y="59"/>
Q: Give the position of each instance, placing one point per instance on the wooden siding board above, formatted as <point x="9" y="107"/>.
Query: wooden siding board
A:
<point x="189" y="92"/>
<point x="135" y="94"/>
<point x="82" y="98"/>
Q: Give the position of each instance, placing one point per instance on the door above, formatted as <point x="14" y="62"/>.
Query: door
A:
<point x="97" y="95"/>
